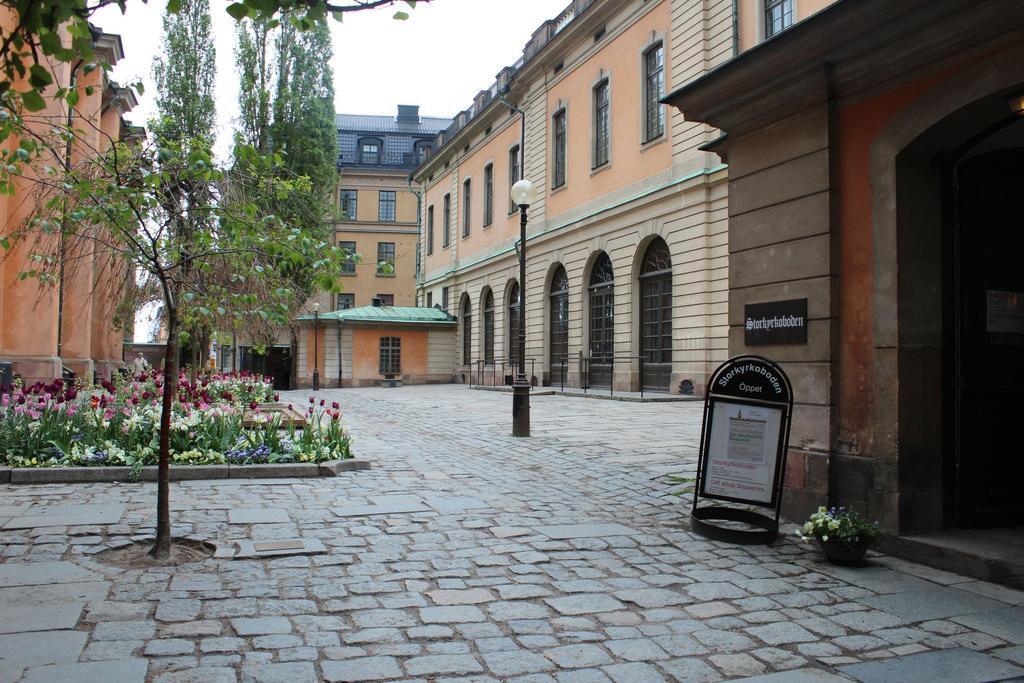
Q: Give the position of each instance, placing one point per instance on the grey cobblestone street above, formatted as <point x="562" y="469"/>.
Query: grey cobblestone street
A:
<point x="465" y="554"/>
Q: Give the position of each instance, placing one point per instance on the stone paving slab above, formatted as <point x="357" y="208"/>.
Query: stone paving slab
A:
<point x="20" y="651"/>
<point x="586" y="530"/>
<point x="67" y="515"/>
<point x="383" y="505"/>
<point x="957" y="664"/>
<point x="1007" y="624"/>
<point x="248" y="549"/>
<point x="43" y="573"/>
<point x="796" y="676"/>
<point x="22" y="618"/>
<point x="933" y="603"/>
<point x="123" y="671"/>
<point x="258" y="516"/>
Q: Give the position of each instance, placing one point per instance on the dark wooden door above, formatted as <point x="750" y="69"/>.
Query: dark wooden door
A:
<point x="989" y="339"/>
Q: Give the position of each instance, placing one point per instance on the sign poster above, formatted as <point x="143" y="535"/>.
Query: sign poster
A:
<point x="742" y="452"/>
<point x="1004" y="312"/>
<point x="775" y="322"/>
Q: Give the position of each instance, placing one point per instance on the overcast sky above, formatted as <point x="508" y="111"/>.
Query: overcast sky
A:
<point x="446" y="52"/>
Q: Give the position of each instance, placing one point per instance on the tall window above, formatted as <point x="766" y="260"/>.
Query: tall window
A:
<point x="778" y="15"/>
<point x="386" y="299"/>
<point x="513" y="173"/>
<point x="559" y="339"/>
<point x="446" y="216"/>
<point x="467" y="213"/>
<point x="488" y="194"/>
<point x="602" y="310"/>
<point x="430" y="299"/>
<point x="489" y="327"/>
<point x="602" y="124"/>
<point x="513" y="324"/>
<point x="654" y="87"/>
<point x="385" y="258"/>
<point x="349" y="266"/>
<point x="369" y="152"/>
<point x="390" y="355"/>
<point x="344" y="301"/>
<point x="558" y="124"/>
<point x="656" y="315"/>
<point x="430" y="229"/>
<point x="422" y="152"/>
<point x="348" y="204"/>
<point x="386" y="206"/>
<point x="467" y="332"/>
<point x="444" y="298"/>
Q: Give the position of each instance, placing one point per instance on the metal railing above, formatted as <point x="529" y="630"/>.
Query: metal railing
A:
<point x="383" y="159"/>
<point x="586" y="363"/>
<point x="480" y="370"/>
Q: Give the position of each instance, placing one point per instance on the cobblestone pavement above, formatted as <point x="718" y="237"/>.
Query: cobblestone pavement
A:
<point x="465" y="554"/>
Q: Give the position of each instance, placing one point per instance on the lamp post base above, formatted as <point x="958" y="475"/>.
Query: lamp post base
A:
<point x="521" y="407"/>
<point x="316" y="381"/>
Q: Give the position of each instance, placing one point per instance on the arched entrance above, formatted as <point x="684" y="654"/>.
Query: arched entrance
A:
<point x="656" y="316"/>
<point x="488" y="328"/>
<point x="951" y="243"/>
<point x="988" y="338"/>
<point x="601" y="322"/>
<point x="513" y="326"/>
<point x="466" y="323"/>
<point x="558" y="339"/>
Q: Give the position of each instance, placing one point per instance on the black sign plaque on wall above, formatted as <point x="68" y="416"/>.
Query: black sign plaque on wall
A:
<point x="775" y="322"/>
<point x="748" y="407"/>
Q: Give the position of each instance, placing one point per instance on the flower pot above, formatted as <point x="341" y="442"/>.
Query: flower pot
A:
<point x="841" y="552"/>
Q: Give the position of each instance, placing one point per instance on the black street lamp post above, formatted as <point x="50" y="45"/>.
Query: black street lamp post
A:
<point x="316" y="346"/>
<point x="523" y="194"/>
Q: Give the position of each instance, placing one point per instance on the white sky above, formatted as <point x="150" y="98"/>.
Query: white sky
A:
<point x="446" y="52"/>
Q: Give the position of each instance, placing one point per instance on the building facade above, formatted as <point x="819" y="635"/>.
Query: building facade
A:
<point x="876" y="156"/>
<point x="377" y="345"/>
<point x="46" y="331"/>
<point x="627" y="253"/>
<point x="377" y="208"/>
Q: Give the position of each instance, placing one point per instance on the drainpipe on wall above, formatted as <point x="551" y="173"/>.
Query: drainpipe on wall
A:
<point x="419" y="230"/>
<point x="339" y="354"/>
<point x="735" y="27"/>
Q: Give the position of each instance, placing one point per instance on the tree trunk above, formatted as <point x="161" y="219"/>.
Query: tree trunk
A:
<point x="162" y="546"/>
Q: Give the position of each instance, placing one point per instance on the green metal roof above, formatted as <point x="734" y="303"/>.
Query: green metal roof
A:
<point x="388" y="314"/>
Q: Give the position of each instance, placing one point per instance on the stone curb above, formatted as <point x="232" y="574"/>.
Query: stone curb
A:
<point x="78" y="475"/>
<point x="332" y="468"/>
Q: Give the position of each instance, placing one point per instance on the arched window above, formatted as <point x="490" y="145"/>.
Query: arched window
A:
<point x="467" y="332"/>
<point x="601" y="288"/>
<point x="513" y="323"/>
<point x="488" y="326"/>
<point x="558" y="345"/>
<point x="656" y="315"/>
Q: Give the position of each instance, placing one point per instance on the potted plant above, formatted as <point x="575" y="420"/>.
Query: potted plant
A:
<point x="844" y="535"/>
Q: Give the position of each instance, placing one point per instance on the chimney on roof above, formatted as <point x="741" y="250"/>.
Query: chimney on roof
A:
<point x="376" y="301"/>
<point x="408" y="113"/>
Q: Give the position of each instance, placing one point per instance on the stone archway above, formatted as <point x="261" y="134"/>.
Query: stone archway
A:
<point x="913" y="348"/>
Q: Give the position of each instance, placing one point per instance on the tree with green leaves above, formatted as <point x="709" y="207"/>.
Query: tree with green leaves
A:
<point x="122" y="206"/>
<point x="185" y="73"/>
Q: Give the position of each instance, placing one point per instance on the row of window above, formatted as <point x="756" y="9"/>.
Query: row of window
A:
<point x="467" y="203"/>
<point x="778" y="15"/>
<point x="346" y="300"/>
<point x="386" y="203"/>
<point x="385" y="258"/>
<point x="654" y="117"/>
<point x="655" y="286"/>
<point x="371" y="149"/>
<point x="444" y="299"/>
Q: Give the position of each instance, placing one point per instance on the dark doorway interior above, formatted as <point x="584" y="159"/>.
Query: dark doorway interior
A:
<point x="276" y="364"/>
<point x="987" y="291"/>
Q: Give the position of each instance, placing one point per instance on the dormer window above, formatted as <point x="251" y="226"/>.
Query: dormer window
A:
<point x="369" y="151"/>
<point x="423" y="150"/>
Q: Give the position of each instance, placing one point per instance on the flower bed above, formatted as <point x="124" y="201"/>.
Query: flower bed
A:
<point x="59" y="425"/>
